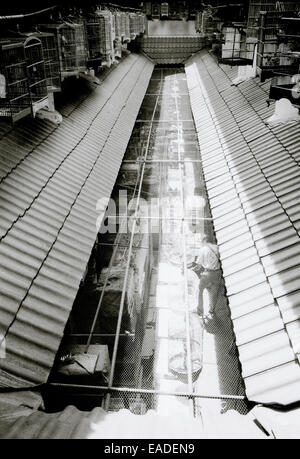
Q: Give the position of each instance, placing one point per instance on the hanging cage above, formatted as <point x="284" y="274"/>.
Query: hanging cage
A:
<point x="106" y="26"/>
<point x="72" y="47"/>
<point x="36" y="73"/>
<point x="100" y="36"/>
<point x="15" y="102"/>
<point x="132" y="25"/>
<point x="51" y="60"/>
<point x="94" y="35"/>
<point x="118" y="35"/>
<point x="118" y="25"/>
<point x="236" y="49"/>
<point x="24" y="87"/>
<point x="125" y="24"/>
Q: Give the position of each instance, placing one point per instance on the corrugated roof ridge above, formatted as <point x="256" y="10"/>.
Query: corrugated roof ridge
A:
<point x="264" y="87"/>
<point x="52" y="126"/>
<point x="65" y="158"/>
<point x="138" y="88"/>
<point x="270" y="130"/>
<point x="204" y="69"/>
<point x="78" y="193"/>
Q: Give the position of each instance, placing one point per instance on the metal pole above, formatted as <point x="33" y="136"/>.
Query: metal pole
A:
<point x="163" y="161"/>
<point x="150" y="391"/>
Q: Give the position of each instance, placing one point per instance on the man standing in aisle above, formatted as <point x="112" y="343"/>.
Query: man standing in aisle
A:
<point x="207" y="267"/>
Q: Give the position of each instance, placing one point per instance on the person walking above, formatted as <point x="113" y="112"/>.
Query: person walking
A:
<point x="207" y="267"/>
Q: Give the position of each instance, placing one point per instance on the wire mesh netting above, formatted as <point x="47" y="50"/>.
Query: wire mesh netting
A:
<point x="136" y="318"/>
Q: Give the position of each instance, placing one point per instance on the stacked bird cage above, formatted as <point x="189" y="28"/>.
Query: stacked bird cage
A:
<point x="51" y="60"/>
<point x="72" y="47"/>
<point x="36" y="73"/>
<point x="256" y="7"/>
<point x="15" y="102"/>
<point x="278" y="43"/>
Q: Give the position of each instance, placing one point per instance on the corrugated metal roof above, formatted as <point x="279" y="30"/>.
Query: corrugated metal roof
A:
<point x="20" y="419"/>
<point x="252" y="176"/>
<point x="49" y="189"/>
<point x="170" y="50"/>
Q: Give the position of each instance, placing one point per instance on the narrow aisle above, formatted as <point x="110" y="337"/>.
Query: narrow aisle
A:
<point x="140" y="297"/>
<point x="185" y="217"/>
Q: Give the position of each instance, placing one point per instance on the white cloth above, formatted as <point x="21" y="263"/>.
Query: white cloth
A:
<point x="209" y="257"/>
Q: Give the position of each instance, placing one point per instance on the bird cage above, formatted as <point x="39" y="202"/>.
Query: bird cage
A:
<point x="51" y="60"/>
<point x="36" y="73"/>
<point x="118" y="26"/>
<point x="106" y="26"/>
<point x="278" y="43"/>
<point x="118" y="35"/>
<point x="94" y="36"/>
<point x="141" y="23"/>
<point x="124" y="35"/>
<point x="164" y="9"/>
<point x="256" y="7"/>
<point x="132" y="25"/>
<point x="236" y="50"/>
<point x="113" y="25"/>
<point x="15" y="102"/>
<point x="72" y="47"/>
<point x="125" y="24"/>
<point x="198" y="21"/>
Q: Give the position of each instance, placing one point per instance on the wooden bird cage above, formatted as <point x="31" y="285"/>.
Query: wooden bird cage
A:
<point x="118" y="26"/>
<point x="106" y="27"/>
<point x="15" y="102"/>
<point x="72" y="47"/>
<point x="117" y="35"/>
<point x="36" y="73"/>
<point x="125" y="24"/>
<point x="141" y="23"/>
<point x="24" y="88"/>
<point x="51" y="60"/>
<point x="100" y="36"/>
<point x="94" y="35"/>
<point x="133" y="25"/>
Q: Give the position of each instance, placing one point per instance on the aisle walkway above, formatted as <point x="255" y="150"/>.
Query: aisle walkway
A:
<point x="175" y="176"/>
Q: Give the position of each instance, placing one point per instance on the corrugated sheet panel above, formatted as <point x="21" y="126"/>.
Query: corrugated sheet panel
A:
<point x="22" y="422"/>
<point x="253" y="183"/>
<point x="171" y="50"/>
<point x="49" y="190"/>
